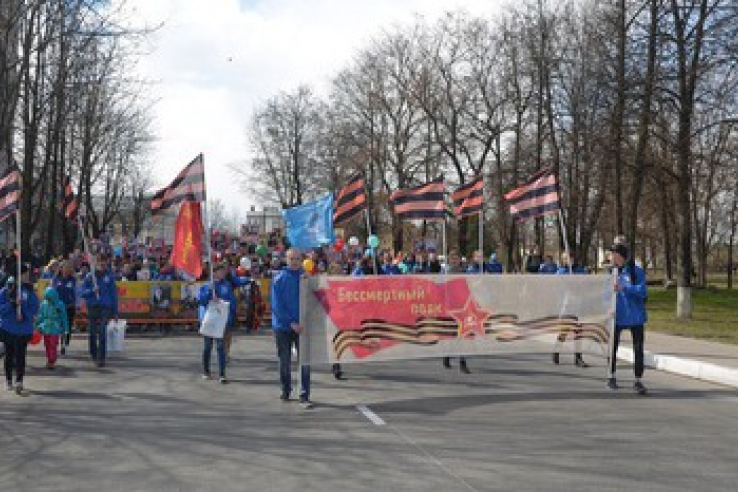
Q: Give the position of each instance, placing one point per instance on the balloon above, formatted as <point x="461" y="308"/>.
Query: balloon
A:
<point x="245" y="263"/>
<point x="372" y="241"/>
<point x="35" y="338"/>
<point x="353" y="241"/>
<point x="261" y="250"/>
<point x="338" y="244"/>
<point x="241" y="271"/>
<point x="308" y="265"/>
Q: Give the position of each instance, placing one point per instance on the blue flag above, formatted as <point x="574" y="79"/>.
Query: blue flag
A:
<point x="310" y="225"/>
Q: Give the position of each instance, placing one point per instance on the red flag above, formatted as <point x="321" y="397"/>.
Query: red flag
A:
<point x="188" y="233"/>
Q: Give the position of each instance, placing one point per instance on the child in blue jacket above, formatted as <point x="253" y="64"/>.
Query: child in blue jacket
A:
<point x="52" y="323"/>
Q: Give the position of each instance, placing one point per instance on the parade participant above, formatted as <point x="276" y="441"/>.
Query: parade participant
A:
<point x="204" y="297"/>
<point x="52" y="323"/>
<point x="574" y="269"/>
<point x="630" y="312"/>
<point x="336" y="269"/>
<point x="16" y="326"/>
<point x="476" y="266"/>
<point x="388" y="266"/>
<point x="285" y="299"/>
<point x="65" y="284"/>
<point x="223" y="290"/>
<point x="549" y="266"/>
<point x="454" y="266"/>
<point x="249" y="294"/>
<point x="101" y="296"/>
<point x="494" y="265"/>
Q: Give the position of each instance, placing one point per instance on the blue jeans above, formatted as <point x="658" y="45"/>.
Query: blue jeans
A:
<point x="207" y="350"/>
<point x="285" y="340"/>
<point x="98" y="328"/>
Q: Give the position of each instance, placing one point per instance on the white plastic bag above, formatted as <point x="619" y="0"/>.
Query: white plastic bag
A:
<point x="215" y="319"/>
<point x="115" y="335"/>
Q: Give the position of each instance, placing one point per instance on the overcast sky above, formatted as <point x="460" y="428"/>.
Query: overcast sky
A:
<point x="214" y="61"/>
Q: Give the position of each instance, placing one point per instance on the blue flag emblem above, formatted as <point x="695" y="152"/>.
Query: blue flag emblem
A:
<point x="310" y="225"/>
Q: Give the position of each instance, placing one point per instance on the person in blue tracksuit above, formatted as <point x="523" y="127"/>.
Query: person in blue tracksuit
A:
<point x="630" y="312"/>
<point x="16" y="326"/>
<point x="549" y="266"/>
<point x="285" y="300"/>
<point x="494" y="265"/>
<point x="65" y="284"/>
<point x="223" y="289"/>
<point x="101" y="296"/>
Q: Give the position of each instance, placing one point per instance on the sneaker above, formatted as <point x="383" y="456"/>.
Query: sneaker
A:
<point x="207" y="375"/>
<point x="284" y="397"/>
<point x="306" y="403"/>
<point x="222" y="380"/>
<point x="18" y="388"/>
<point x="9" y="386"/>
<point x="447" y="362"/>
<point x="612" y="384"/>
<point x="464" y="368"/>
<point x="579" y="362"/>
<point x="555" y="357"/>
<point x="63" y="350"/>
<point x="639" y="388"/>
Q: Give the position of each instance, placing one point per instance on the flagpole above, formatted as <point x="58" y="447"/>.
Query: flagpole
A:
<point x="207" y="229"/>
<point x="369" y="233"/>
<point x="19" y="282"/>
<point x="81" y="215"/>
<point x="481" y="242"/>
<point x="566" y="240"/>
<point x="445" y="252"/>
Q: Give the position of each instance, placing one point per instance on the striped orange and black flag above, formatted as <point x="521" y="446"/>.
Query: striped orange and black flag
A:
<point x="10" y="192"/>
<point x="539" y="196"/>
<point x="467" y="198"/>
<point x="350" y="201"/>
<point x="70" y="206"/>
<point x="189" y="185"/>
<point x="422" y="202"/>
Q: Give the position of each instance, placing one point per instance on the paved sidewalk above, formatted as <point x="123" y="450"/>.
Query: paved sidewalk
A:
<point x="700" y="359"/>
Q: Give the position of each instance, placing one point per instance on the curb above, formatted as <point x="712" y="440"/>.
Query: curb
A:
<point x="685" y="367"/>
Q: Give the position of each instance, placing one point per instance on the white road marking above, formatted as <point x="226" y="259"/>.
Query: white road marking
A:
<point x="373" y="417"/>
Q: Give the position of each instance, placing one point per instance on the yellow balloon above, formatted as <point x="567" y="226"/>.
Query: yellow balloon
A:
<point x="308" y="265"/>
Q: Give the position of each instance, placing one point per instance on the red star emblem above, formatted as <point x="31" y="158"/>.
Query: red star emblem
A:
<point x="470" y="319"/>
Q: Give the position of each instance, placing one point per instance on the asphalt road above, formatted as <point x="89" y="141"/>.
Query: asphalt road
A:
<point x="148" y="422"/>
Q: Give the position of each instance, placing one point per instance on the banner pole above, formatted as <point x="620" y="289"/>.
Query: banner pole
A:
<point x="18" y="282"/>
<point x="208" y="235"/>
<point x="369" y="233"/>
<point x="481" y="242"/>
<point x="566" y="240"/>
<point x="81" y="216"/>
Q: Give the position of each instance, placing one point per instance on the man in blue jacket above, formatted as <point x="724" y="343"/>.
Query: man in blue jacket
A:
<point x="630" y="312"/>
<point x="16" y="326"/>
<point x="101" y="296"/>
<point x="65" y="284"/>
<point x="285" y="300"/>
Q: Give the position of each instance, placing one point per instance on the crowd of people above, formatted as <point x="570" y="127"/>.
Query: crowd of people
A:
<point x="93" y="279"/>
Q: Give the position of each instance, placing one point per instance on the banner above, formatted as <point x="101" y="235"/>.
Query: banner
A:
<point x="310" y="225"/>
<point x="150" y="301"/>
<point x="367" y="319"/>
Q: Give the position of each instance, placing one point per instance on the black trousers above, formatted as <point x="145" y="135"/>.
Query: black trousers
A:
<point x="71" y="311"/>
<point x="637" y="335"/>
<point x="15" y="355"/>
